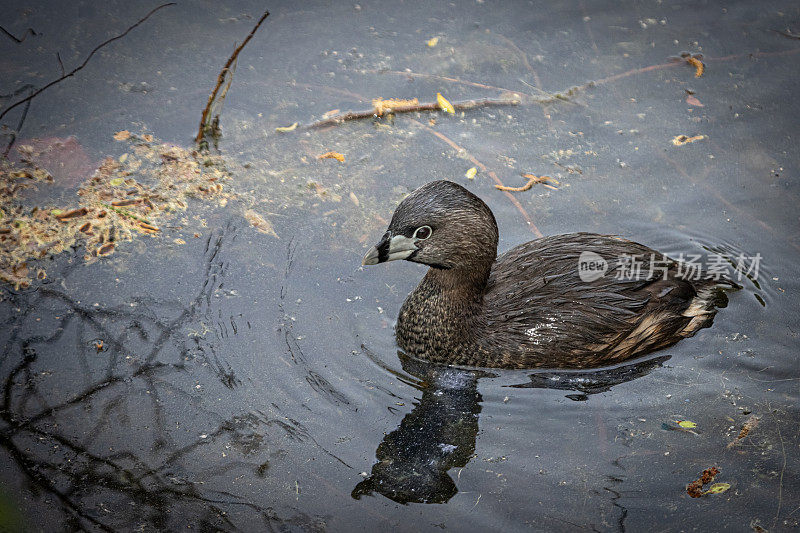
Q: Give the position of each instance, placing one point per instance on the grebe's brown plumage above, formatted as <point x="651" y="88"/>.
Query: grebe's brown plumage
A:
<point x="529" y="307"/>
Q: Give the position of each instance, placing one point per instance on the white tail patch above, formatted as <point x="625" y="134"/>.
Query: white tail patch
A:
<point x="700" y="310"/>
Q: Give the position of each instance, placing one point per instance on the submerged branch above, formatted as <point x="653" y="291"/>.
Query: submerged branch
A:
<point x="204" y="118"/>
<point x="18" y="40"/>
<point x="787" y="34"/>
<point x="450" y="142"/>
<point x="72" y="72"/>
<point x="428" y="106"/>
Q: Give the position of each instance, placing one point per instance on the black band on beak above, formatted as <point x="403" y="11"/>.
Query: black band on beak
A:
<point x="383" y="248"/>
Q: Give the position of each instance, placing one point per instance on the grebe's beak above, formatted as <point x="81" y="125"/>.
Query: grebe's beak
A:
<point x="390" y="248"/>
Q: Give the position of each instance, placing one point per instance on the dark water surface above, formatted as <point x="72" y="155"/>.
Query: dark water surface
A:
<point x="252" y="382"/>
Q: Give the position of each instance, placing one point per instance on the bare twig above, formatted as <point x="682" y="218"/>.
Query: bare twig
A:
<point x="532" y="180"/>
<point x="787" y="34"/>
<point x="221" y="78"/>
<point x="783" y="470"/>
<point x="60" y="64"/>
<point x="674" y="64"/>
<point x="18" y="128"/>
<point x="631" y="72"/>
<point x="428" y="106"/>
<point x="85" y="61"/>
<point x="18" y="40"/>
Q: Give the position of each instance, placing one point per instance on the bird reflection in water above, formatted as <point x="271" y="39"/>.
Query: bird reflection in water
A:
<point x="440" y="432"/>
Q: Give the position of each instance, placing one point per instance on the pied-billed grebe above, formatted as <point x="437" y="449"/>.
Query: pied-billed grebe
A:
<point x="533" y="306"/>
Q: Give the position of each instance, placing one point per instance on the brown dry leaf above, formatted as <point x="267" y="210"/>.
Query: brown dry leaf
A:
<point x="332" y="155"/>
<point x="260" y="223"/>
<point x="123" y="135"/>
<point x="691" y="100"/>
<point x="695" y="488"/>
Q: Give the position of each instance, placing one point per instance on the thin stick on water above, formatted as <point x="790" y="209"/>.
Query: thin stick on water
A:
<point x="204" y="118"/>
<point x="428" y="106"/>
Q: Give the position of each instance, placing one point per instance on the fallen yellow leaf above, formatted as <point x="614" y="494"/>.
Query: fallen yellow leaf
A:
<point x="283" y="129"/>
<point x="686" y="424"/>
<point x="332" y="155"/>
<point x="444" y="104"/>
<point x="471" y="173"/>
<point x="123" y="135"/>
<point x="432" y="42"/>
<point x="718" y="488"/>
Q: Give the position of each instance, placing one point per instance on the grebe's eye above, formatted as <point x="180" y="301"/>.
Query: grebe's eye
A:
<point x="423" y="233"/>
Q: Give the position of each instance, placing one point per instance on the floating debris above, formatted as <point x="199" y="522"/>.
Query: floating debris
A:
<point x="332" y="155"/>
<point x="123" y="197"/>
<point x="695" y="488"/>
<point x="74" y="213"/>
<point x="698" y="65"/>
<point x="695" y="60"/>
<point x="123" y="135"/>
<point x="260" y="223"/>
<point x="432" y="42"/>
<point x="680" y="140"/>
<point x="686" y="424"/>
<point x="692" y="100"/>
<point x="749" y="425"/>
<point x="471" y="173"/>
<point x="718" y="488"/>
<point x="382" y="106"/>
<point x="106" y="249"/>
<point x="284" y="129"/>
<point x="62" y="161"/>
